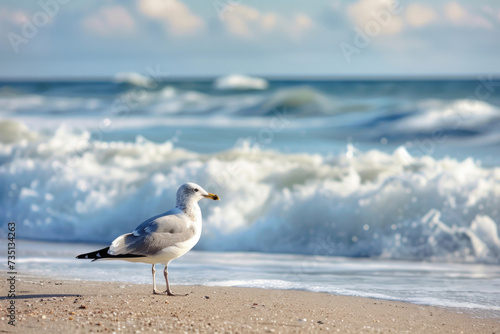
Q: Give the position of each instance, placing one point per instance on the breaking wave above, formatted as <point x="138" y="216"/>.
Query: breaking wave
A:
<point x="240" y="82"/>
<point x="133" y="78"/>
<point x="64" y="186"/>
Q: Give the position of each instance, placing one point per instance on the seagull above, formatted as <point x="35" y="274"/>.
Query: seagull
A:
<point x="162" y="238"/>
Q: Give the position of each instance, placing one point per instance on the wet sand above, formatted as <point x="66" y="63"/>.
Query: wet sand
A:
<point x="46" y="305"/>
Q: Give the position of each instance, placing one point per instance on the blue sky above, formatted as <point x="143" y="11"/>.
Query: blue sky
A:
<point x="72" y="38"/>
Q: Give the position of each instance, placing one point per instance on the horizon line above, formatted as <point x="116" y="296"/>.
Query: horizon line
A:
<point x="425" y="77"/>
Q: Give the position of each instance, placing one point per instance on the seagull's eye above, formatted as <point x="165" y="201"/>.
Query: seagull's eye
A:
<point x="196" y="190"/>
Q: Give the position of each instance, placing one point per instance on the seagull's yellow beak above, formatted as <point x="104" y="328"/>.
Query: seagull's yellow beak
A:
<point x="212" y="196"/>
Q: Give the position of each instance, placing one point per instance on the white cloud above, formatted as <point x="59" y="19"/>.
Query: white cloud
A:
<point x="384" y="13"/>
<point x="16" y="17"/>
<point x="383" y="16"/>
<point x="177" y="17"/>
<point x="419" y="15"/>
<point x="458" y="15"/>
<point x="303" y="21"/>
<point x="110" y="21"/>
<point x="238" y="21"/>
<point x="247" y="22"/>
<point x="11" y="20"/>
<point x="269" y="21"/>
<point x="489" y="10"/>
<point x="454" y="11"/>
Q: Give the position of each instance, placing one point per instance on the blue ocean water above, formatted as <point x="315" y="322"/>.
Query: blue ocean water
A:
<point x="376" y="170"/>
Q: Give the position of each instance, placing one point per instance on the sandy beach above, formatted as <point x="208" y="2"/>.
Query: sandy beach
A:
<point x="46" y="305"/>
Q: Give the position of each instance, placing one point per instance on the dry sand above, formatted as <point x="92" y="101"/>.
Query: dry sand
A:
<point x="46" y="305"/>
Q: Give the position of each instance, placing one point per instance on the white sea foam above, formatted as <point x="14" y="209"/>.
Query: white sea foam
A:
<point x="462" y="115"/>
<point x="14" y="132"/>
<point x="65" y="186"/>
<point x="240" y="82"/>
<point x="133" y="79"/>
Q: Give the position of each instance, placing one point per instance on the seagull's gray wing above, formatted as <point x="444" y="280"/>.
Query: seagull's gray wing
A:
<point x="154" y="235"/>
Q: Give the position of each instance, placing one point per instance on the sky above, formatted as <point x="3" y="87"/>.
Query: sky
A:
<point x="200" y="38"/>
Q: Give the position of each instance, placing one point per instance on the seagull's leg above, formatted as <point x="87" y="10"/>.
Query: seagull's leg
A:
<point x="168" y="291"/>
<point x="153" y="270"/>
<point x="165" y="273"/>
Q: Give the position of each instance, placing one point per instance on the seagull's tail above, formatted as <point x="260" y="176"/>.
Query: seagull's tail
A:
<point x="103" y="254"/>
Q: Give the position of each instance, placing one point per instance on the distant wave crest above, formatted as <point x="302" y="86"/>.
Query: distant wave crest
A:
<point x="240" y="82"/>
<point x="133" y="79"/>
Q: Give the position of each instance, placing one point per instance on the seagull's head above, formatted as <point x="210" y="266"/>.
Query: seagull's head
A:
<point x="191" y="192"/>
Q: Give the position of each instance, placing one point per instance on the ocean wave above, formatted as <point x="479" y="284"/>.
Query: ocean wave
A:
<point x="438" y="119"/>
<point x="302" y="101"/>
<point x="170" y="100"/>
<point x="65" y="186"/>
<point x="35" y="104"/>
<point x="240" y="82"/>
<point x="133" y="78"/>
<point x="320" y="108"/>
<point x="15" y="132"/>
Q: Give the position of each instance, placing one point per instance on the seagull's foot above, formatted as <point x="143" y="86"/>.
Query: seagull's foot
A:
<point x="169" y="293"/>
<point x="159" y="293"/>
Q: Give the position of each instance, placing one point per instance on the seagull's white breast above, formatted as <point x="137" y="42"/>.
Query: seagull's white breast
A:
<point x="180" y="248"/>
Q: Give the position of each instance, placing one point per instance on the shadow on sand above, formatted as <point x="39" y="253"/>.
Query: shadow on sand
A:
<point x="40" y="296"/>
